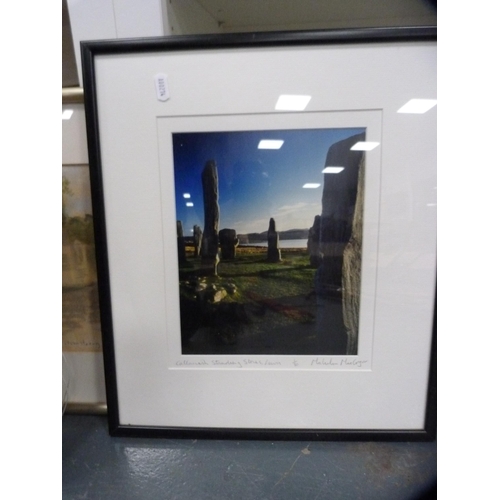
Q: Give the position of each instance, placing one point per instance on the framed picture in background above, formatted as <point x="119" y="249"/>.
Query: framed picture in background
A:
<point x="83" y="369"/>
<point x="265" y="224"/>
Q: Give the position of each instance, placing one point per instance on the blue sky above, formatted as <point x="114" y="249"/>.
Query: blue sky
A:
<point x="254" y="184"/>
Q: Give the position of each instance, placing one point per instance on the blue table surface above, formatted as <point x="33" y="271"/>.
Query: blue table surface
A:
<point x="97" y="466"/>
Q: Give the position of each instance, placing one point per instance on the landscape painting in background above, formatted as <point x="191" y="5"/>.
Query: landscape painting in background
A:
<point x="269" y="234"/>
<point x="81" y="331"/>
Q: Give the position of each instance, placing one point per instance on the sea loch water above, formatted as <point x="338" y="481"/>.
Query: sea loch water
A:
<point x="283" y="244"/>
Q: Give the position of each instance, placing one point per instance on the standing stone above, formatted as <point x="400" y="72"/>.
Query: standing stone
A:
<point x="273" y="243"/>
<point x="313" y="249"/>
<point x="197" y="235"/>
<point x="351" y="269"/>
<point x="181" y="246"/>
<point x="228" y="243"/>
<point x="338" y="207"/>
<point x="210" y="239"/>
<point x="338" y="201"/>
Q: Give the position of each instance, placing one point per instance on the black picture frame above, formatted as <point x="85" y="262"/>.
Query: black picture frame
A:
<point x="95" y="96"/>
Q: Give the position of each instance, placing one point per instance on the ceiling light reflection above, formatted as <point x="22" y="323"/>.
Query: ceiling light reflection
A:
<point x="270" y="144"/>
<point x="418" y="106"/>
<point x="292" y="102"/>
<point x="189" y="204"/>
<point x="332" y="170"/>
<point x="66" y="114"/>
<point x="186" y="195"/>
<point x="364" y="146"/>
<point x="311" y="185"/>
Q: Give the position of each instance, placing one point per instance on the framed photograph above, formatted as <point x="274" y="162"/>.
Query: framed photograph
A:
<point x="265" y="224"/>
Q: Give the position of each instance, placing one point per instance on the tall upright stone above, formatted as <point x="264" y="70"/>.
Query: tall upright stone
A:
<point x="338" y="202"/>
<point x="181" y="245"/>
<point x="210" y="239"/>
<point x="313" y="238"/>
<point x="273" y="243"/>
<point x="338" y="207"/>
<point x="197" y="235"/>
<point x="351" y="269"/>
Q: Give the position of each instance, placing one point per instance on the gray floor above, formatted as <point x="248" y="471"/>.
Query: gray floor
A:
<point x="96" y="466"/>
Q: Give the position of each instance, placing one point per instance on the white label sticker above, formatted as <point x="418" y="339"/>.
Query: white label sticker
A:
<point x="161" y="87"/>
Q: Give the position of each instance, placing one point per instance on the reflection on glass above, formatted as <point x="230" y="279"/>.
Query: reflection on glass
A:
<point x="418" y="106"/>
<point x="332" y="170"/>
<point x="364" y="146"/>
<point x="292" y="102"/>
<point x="270" y="144"/>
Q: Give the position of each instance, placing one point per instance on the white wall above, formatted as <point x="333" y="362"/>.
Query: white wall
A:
<point x="111" y="19"/>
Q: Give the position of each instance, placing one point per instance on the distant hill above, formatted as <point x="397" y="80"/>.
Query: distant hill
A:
<point x="290" y="234"/>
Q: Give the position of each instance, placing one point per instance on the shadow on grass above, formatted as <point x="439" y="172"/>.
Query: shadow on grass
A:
<point x="285" y="325"/>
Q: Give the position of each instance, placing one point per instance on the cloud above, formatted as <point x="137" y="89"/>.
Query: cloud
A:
<point x="298" y="207"/>
<point x="286" y="209"/>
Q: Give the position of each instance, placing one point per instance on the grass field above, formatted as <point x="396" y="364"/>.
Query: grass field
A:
<point x="253" y="306"/>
